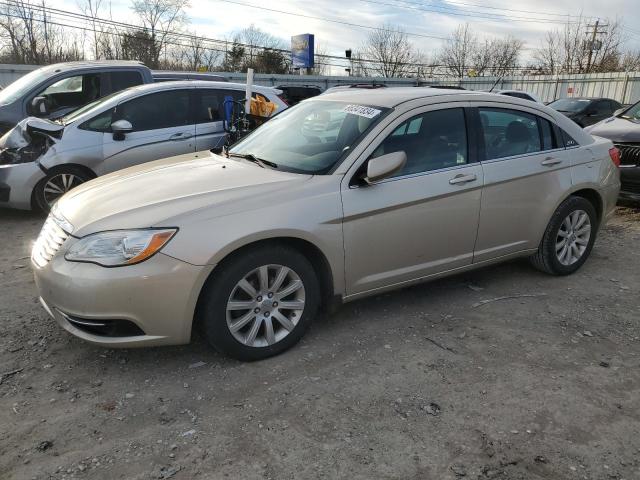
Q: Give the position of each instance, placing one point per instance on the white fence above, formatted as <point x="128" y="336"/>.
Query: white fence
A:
<point x="624" y="87"/>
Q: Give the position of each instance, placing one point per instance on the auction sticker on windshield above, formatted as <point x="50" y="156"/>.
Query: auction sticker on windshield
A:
<point x="362" y="111"/>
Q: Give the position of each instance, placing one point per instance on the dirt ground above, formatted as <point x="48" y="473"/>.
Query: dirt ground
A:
<point x="430" y="382"/>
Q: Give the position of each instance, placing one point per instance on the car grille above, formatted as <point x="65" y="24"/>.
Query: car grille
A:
<point x="629" y="154"/>
<point x="48" y="242"/>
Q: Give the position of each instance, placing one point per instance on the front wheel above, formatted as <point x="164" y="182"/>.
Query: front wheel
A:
<point x="55" y="184"/>
<point x="568" y="239"/>
<point x="259" y="303"/>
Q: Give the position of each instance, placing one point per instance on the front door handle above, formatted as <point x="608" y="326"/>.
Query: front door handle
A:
<point x="461" y="179"/>
<point x="550" y="161"/>
<point x="180" y="136"/>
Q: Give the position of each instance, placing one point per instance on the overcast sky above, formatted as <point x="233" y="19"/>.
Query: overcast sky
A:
<point x="220" y="18"/>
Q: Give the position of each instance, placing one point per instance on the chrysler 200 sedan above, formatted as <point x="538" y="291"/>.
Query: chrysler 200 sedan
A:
<point x="343" y="196"/>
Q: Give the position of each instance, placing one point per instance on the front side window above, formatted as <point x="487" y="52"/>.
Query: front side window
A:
<point x="431" y="141"/>
<point x="312" y="137"/>
<point x="155" y="111"/>
<point x="509" y="132"/>
<point x="72" y="91"/>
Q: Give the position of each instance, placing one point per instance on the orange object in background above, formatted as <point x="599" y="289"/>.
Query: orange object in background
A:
<point x="261" y="107"/>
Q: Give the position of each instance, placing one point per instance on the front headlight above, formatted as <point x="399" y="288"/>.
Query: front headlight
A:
<point x="117" y="248"/>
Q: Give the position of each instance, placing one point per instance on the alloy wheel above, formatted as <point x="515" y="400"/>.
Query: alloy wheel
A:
<point x="58" y="185"/>
<point x="265" y="305"/>
<point x="573" y="237"/>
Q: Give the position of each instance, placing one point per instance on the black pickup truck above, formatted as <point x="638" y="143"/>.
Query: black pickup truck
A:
<point x="55" y="90"/>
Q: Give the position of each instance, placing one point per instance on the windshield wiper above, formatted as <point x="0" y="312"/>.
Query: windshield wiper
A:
<point x="252" y="158"/>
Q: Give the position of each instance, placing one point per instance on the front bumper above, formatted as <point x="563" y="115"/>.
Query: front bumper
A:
<point x="630" y="178"/>
<point x="158" y="296"/>
<point x="17" y="183"/>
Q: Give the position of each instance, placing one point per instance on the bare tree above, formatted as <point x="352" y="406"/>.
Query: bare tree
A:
<point x="630" y="61"/>
<point x="160" y="18"/>
<point x="91" y="9"/>
<point x="575" y="48"/>
<point x="32" y="38"/>
<point x="320" y="66"/>
<point x="388" y="52"/>
<point x="457" y="55"/>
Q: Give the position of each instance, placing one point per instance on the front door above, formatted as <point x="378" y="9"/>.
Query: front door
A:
<point x="424" y="219"/>
<point x="162" y="127"/>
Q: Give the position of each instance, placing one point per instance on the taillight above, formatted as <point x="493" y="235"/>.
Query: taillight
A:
<point x="614" y="153"/>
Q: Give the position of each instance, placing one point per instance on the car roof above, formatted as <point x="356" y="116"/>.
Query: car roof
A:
<point x="390" y="97"/>
<point x="65" y="66"/>
<point x="150" y="87"/>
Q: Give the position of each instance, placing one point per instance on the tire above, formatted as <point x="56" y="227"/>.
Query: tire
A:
<point x="254" y="305"/>
<point x="62" y="179"/>
<point x="550" y="258"/>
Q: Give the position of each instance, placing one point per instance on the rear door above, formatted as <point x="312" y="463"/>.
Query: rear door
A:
<point x="162" y="127"/>
<point x="424" y="219"/>
<point x="526" y="174"/>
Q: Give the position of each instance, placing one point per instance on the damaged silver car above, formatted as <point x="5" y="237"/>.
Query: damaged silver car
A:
<point x="40" y="159"/>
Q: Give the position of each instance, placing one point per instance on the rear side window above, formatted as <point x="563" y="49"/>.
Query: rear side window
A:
<point x="157" y="110"/>
<point x="509" y="132"/>
<point x="431" y="141"/>
<point x="124" y="79"/>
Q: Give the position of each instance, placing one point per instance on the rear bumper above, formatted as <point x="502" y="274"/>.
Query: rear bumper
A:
<point x="17" y="183"/>
<point x="158" y="297"/>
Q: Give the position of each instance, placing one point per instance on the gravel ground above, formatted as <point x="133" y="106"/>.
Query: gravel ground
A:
<point x="430" y="382"/>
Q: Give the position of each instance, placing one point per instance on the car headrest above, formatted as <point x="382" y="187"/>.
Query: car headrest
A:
<point x="517" y="132"/>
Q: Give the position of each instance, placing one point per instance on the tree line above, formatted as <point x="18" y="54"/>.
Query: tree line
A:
<point x="160" y="36"/>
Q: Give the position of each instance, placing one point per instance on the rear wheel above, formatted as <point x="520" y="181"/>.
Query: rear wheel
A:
<point x="568" y="239"/>
<point x="260" y="303"/>
<point x="57" y="183"/>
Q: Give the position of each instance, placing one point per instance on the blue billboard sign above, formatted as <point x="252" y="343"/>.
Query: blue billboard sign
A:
<point x="302" y="54"/>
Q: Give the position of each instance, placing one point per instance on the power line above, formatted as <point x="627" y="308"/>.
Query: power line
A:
<point x="471" y="13"/>
<point x="324" y="19"/>
<point x="456" y="2"/>
<point x="55" y="20"/>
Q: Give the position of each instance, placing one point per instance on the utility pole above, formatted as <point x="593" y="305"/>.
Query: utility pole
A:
<point x="593" y="43"/>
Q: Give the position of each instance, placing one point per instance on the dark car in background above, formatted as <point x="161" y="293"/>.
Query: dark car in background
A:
<point x="624" y="131"/>
<point x="586" y="111"/>
<point x="293" y="94"/>
<point x="56" y="90"/>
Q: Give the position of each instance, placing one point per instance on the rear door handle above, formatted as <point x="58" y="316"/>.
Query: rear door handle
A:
<point x="550" y="161"/>
<point x="180" y="136"/>
<point x="461" y="179"/>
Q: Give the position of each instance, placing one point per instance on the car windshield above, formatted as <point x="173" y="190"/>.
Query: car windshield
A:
<point x="67" y="119"/>
<point x="632" y="112"/>
<point x="310" y="137"/>
<point x="21" y="86"/>
<point x="570" y="104"/>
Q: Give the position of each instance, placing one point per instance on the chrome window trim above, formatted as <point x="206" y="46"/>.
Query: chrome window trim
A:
<point x="523" y="155"/>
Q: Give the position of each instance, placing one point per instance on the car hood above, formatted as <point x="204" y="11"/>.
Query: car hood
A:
<point x="617" y="129"/>
<point x="20" y="135"/>
<point x="159" y="193"/>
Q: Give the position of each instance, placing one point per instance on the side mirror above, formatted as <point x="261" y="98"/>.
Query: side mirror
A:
<point x="39" y="107"/>
<point x="384" y="166"/>
<point x="619" y="111"/>
<point x="120" y="128"/>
